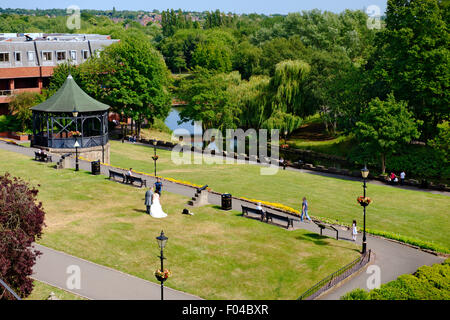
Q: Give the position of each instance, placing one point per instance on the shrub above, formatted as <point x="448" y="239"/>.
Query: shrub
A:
<point x="21" y="222"/>
<point x="9" y="123"/>
<point x="427" y="283"/>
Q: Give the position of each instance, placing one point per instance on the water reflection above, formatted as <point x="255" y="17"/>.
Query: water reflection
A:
<point x="172" y="123"/>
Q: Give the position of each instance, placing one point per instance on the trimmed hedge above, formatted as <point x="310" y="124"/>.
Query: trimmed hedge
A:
<point x="427" y="283"/>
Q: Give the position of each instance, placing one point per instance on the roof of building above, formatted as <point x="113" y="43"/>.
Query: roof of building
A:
<point x="70" y="97"/>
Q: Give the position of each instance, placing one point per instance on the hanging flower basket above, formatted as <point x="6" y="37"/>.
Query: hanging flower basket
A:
<point x="363" y="201"/>
<point x="155" y="158"/>
<point x="162" y="276"/>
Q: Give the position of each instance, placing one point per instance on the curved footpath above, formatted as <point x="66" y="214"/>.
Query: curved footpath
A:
<point x="392" y="258"/>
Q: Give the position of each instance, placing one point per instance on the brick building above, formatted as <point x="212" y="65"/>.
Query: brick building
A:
<point x="27" y="60"/>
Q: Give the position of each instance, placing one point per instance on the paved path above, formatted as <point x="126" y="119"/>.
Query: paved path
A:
<point x="97" y="282"/>
<point x="392" y="258"/>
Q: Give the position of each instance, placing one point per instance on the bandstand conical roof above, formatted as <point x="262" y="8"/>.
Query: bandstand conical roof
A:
<point x="68" y="98"/>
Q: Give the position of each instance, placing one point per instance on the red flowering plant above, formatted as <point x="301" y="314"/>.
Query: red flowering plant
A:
<point x="162" y="275"/>
<point x="75" y="133"/>
<point x="363" y="201"/>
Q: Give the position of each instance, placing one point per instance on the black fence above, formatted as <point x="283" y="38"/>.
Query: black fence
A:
<point x="336" y="277"/>
<point x="69" y="143"/>
<point x="4" y="285"/>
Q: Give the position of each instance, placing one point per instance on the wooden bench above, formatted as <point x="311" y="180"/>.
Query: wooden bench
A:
<point x="42" y="157"/>
<point x="271" y="215"/>
<point x="322" y="226"/>
<point x="132" y="179"/>
<point x="246" y="210"/>
<point x="113" y="174"/>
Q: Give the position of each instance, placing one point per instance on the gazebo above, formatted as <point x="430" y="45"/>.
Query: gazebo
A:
<point x="70" y="116"/>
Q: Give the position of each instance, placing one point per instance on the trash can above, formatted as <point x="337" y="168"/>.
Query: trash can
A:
<point x="95" y="167"/>
<point x="226" y="201"/>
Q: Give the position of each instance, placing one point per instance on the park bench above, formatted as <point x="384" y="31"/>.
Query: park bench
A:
<point x="42" y="157"/>
<point x="322" y="226"/>
<point x="132" y="179"/>
<point x="271" y="215"/>
<point x="202" y="188"/>
<point x="120" y="175"/>
<point x="246" y="210"/>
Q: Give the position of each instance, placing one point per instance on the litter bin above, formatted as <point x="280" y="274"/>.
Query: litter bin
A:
<point x="95" y="167"/>
<point x="226" y="201"/>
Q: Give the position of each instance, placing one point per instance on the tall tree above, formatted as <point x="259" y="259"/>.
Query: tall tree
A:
<point x="414" y="58"/>
<point x="384" y="126"/>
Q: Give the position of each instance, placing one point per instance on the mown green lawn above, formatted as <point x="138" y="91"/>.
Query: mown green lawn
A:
<point x="214" y="254"/>
<point x="410" y="213"/>
<point x="42" y="291"/>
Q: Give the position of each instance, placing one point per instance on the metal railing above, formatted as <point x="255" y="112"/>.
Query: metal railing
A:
<point x="336" y="277"/>
<point x="7" y="92"/>
<point x="11" y="291"/>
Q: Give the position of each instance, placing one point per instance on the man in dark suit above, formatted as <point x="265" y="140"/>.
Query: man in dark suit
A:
<point x="158" y="186"/>
<point x="149" y="199"/>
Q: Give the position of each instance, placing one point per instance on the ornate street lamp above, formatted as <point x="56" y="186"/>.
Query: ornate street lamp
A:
<point x="155" y="157"/>
<point x="162" y="239"/>
<point x="364" y="174"/>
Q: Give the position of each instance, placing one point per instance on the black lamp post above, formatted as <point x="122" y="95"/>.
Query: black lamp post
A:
<point x="123" y="128"/>
<point x="162" y="239"/>
<point x="76" y="145"/>
<point x="155" y="157"/>
<point x="364" y="174"/>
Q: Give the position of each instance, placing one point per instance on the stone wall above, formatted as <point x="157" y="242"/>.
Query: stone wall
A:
<point x="92" y="153"/>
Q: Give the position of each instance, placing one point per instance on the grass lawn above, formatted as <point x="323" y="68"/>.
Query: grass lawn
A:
<point x="410" y="213"/>
<point x="41" y="291"/>
<point x="214" y="254"/>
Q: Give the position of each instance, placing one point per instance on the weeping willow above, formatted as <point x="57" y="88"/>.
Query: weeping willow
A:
<point x="285" y="122"/>
<point x="288" y="87"/>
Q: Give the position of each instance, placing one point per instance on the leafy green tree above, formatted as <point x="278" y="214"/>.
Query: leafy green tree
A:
<point x="287" y="87"/>
<point x="441" y="143"/>
<point x="246" y="59"/>
<point x="413" y="59"/>
<point x="213" y="55"/>
<point x="280" y="49"/>
<point x="208" y="99"/>
<point x="384" y="126"/>
<point x="20" y="107"/>
<point x="252" y="99"/>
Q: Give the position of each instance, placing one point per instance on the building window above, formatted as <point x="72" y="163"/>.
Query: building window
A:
<point x="30" y="55"/>
<point x="17" y="56"/>
<point x="47" y="56"/>
<point x="4" y="56"/>
<point x="85" y="54"/>
<point x="60" y="55"/>
<point x="73" y="55"/>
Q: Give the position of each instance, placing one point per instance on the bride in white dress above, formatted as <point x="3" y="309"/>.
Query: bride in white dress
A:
<point x="156" y="209"/>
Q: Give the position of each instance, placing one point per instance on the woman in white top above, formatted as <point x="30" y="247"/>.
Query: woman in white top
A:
<point x="354" y="231"/>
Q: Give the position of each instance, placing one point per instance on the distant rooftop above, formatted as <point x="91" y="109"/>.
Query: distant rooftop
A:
<point x="23" y="37"/>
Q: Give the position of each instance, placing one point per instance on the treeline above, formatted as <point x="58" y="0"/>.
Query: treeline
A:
<point x="385" y="87"/>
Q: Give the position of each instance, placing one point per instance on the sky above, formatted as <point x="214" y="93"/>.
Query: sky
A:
<point x="234" y="6"/>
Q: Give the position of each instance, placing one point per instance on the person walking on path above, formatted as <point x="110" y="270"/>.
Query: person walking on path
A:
<point x="158" y="186"/>
<point x="354" y="231"/>
<point x="402" y="177"/>
<point x="149" y="198"/>
<point x="305" y="210"/>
